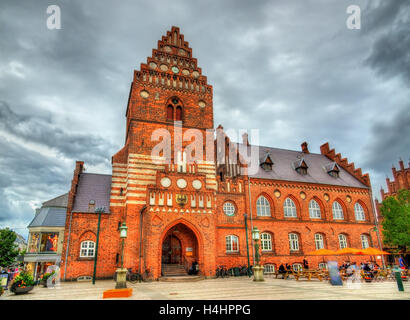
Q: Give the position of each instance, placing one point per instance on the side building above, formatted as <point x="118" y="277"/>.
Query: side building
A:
<point x="46" y="235"/>
<point x="401" y="180"/>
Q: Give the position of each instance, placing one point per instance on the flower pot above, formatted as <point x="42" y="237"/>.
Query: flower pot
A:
<point x="43" y="283"/>
<point x="20" y="290"/>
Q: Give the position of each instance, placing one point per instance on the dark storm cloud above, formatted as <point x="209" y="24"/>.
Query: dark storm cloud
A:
<point x="389" y="57"/>
<point x="67" y="144"/>
<point x="391" y="141"/>
<point x="290" y="68"/>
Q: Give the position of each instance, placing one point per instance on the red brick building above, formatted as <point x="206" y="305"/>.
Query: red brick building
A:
<point x="179" y="212"/>
<point x="401" y="180"/>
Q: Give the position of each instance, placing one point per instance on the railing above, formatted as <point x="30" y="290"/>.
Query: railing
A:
<point x="185" y="263"/>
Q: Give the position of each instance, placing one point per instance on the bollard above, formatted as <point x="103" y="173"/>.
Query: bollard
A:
<point x="399" y="280"/>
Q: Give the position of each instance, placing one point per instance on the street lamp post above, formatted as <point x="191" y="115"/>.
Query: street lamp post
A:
<point x="122" y="272"/>
<point x="247" y="245"/>
<point x="257" y="269"/>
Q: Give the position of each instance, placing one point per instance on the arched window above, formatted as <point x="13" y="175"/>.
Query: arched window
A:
<point x="314" y="209"/>
<point x="170" y="112"/>
<point x="342" y="241"/>
<point x="319" y="243"/>
<point x="87" y="249"/>
<point x="232" y="243"/>
<point x="262" y="207"/>
<point x="359" y="212"/>
<point x="229" y="209"/>
<point x="266" y="241"/>
<point x="293" y="242"/>
<point x="365" y="241"/>
<point x="289" y="208"/>
<point x="178" y="114"/>
<point x="337" y="211"/>
<point x="174" y="104"/>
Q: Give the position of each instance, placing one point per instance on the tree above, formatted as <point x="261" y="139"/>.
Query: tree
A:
<point x="8" y="249"/>
<point x="396" y="220"/>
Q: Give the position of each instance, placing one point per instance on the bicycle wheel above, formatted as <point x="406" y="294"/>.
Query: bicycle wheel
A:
<point x="133" y="278"/>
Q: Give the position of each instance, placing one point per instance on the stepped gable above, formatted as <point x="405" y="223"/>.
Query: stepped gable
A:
<point x="172" y="59"/>
<point x="343" y="162"/>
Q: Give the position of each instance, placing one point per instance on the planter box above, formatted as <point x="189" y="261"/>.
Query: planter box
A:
<point x="19" y="290"/>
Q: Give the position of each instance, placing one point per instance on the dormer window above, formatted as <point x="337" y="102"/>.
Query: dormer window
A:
<point x="91" y="206"/>
<point x="300" y="166"/>
<point x="267" y="162"/>
<point x="333" y="169"/>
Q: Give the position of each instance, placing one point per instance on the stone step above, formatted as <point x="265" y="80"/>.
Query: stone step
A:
<point x="181" y="278"/>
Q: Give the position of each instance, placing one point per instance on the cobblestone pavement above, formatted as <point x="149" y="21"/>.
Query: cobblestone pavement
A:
<point x="224" y="289"/>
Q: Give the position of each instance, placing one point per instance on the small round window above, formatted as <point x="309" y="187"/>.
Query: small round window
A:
<point x="229" y="209"/>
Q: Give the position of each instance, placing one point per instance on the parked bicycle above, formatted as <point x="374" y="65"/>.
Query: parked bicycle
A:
<point x="222" y="272"/>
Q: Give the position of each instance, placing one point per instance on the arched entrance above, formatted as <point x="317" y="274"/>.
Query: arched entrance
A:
<point x="179" y="249"/>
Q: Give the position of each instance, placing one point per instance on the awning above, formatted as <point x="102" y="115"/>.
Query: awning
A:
<point x="42" y="258"/>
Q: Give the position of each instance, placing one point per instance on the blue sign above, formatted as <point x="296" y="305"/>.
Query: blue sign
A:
<point x="4" y="279"/>
<point x="334" y="274"/>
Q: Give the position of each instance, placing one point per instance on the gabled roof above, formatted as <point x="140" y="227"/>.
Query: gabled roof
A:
<point x="267" y="159"/>
<point x="92" y="186"/>
<point x="60" y="201"/>
<point x="317" y="173"/>
<point x="332" y="166"/>
<point x="52" y="213"/>
<point x="300" y="163"/>
<point x="49" y="217"/>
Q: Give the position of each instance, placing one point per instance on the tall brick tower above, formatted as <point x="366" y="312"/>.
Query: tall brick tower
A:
<point x="167" y="202"/>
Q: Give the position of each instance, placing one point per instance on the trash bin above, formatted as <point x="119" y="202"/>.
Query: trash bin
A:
<point x="399" y="281"/>
<point x="236" y="272"/>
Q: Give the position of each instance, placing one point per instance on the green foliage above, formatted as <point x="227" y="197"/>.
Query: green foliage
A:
<point x="396" y="219"/>
<point x="47" y="275"/>
<point x="8" y="249"/>
<point x="23" y="280"/>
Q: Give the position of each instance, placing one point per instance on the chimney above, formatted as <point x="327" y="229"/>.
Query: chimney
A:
<point x="245" y="140"/>
<point x="401" y="163"/>
<point x="304" y="146"/>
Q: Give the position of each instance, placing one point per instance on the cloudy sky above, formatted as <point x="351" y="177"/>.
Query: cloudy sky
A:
<point x="290" y="68"/>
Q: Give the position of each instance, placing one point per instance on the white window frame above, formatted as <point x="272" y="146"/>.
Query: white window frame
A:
<point x="337" y="211"/>
<point x="289" y="208"/>
<point x="314" y="210"/>
<point x="229" y="207"/>
<point x="262" y="207"/>
<point x="297" y="267"/>
<point x="294" y="242"/>
<point x="87" y="249"/>
<point x="266" y="241"/>
<point x="359" y="212"/>
<point x="229" y="241"/>
<point x="322" y="265"/>
<point x="364" y="239"/>
<point x="319" y="241"/>
<point x="342" y="241"/>
<point x="269" y="268"/>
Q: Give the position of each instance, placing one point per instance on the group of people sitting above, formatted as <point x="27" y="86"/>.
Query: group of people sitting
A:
<point x="369" y="268"/>
<point x="287" y="268"/>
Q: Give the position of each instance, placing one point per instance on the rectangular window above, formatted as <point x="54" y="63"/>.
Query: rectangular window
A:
<point x="49" y="242"/>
